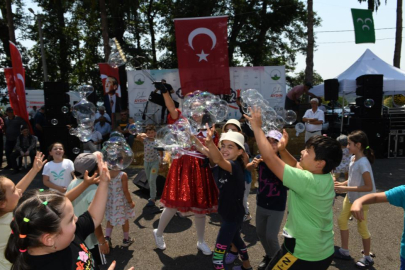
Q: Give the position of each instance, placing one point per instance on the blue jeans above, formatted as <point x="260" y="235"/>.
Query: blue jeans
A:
<point x="402" y="263"/>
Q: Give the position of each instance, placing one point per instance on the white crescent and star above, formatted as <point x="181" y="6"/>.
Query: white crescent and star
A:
<point x="205" y="31"/>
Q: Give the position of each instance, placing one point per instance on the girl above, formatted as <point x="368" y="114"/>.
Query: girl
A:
<point x="189" y="186"/>
<point x="9" y="196"/>
<point x="47" y="235"/>
<point x="360" y="183"/>
<point x="120" y="207"/>
<point x="58" y="172"/>
<point x="231" y="190"/>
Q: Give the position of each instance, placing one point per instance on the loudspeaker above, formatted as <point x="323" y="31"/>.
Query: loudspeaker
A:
<point x="56" y="97"/>
<point x="331" y="89"/>
<point x="61" y="134"/>
<point x="377" y="130"/>
<point x="370" y="90"/>
<point x="141" y="182"/>
<point x="370" y="80"/>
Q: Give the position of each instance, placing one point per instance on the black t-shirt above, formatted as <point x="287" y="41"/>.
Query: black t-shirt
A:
<point x="39" y="119"/>
<point x="75" y="256"/>
<point x="231" y="190"/>
<point x="271" y="194"/>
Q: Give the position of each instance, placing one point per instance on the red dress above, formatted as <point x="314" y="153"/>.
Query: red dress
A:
<point x="189" y="186"/>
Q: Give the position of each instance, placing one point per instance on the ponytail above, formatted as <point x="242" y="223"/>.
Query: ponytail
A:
<point x="359" y="136"/>
<point x="39" y="212"/>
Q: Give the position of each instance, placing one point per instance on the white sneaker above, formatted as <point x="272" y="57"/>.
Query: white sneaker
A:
<point x="204" y="248"/>
<point x="160" y="241"/>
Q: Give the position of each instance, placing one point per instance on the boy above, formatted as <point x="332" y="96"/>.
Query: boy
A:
<point x="308" y="232"/>
<point x="151" y="161"/>
<point x="395" y="196"/>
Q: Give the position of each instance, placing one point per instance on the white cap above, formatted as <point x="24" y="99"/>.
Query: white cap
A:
<point x="235" y="137"/>
<point x="232" y="122"/>
<point x="275" y="134"/>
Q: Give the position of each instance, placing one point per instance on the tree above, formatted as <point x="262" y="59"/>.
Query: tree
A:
<point x="104" y="29"/>
<point x="10" y="22"/>
<point x="300" y="79"/>
<point x="398" y="36"/>
<point x="309" y="70"/>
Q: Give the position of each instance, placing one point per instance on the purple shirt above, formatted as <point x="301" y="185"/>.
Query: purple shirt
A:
<point x="297" y="91"/>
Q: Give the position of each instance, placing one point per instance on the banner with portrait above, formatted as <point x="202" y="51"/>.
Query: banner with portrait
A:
<point x="111" y="88"/>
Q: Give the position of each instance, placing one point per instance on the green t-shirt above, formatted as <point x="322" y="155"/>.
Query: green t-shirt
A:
<point x="310" y="213"/>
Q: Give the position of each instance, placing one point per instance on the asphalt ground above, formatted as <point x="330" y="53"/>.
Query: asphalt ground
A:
<point x="385" y="225"/>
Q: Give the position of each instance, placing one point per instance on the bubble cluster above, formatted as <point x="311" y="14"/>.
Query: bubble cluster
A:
<point x="201" y="108"/>
<point x="116" y="57"/>
<point x="117" y="153"/>
<point x="273" y="118"/>
<point x="135" y="128"/>
<point x="299" y="128"/>
<point x="85" y="114"/>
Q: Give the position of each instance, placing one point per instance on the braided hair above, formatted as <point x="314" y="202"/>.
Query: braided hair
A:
<point x="359" y="136"/>
<point x="38" y="212"/>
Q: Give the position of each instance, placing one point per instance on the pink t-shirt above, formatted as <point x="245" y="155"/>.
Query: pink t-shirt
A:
<point x="297" y="91"/>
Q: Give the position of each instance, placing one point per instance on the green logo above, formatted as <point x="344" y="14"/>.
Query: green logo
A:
<point x="139" y="79"/>
<point x="275" y="75"/>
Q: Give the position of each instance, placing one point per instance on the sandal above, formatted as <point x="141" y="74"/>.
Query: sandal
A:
<point x="372" y="255"/>
<point x="339" y="255"/>
<point x="363" y="263"/>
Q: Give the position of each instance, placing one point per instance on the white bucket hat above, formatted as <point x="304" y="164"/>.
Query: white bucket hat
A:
<point x="275" y="134"/>
<point x="235" y="137"/>
<point x="232" y="122"/>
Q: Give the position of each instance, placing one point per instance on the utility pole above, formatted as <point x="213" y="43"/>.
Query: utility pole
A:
<point x="41" y="41"/>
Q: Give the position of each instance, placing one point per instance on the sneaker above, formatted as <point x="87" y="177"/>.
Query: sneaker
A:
<point x="263" y="264"/>
<point x="108" y="239"/>
<point x="247" y="217"/>
<point x="363" y="263"/>
<point x="127" y="242"/>
<point x="204" y="248"/>
<point x="150" y="203"/>
<point x="230" y="257"/>
<point x="160" y="241"/>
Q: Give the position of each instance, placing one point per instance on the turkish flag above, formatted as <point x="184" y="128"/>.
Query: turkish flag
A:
<point x="202" y="53"/>
<point x="12" y="95"/>
<point x="20" y="107"/>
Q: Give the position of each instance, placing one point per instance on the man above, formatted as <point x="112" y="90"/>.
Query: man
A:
<point x="292" y="99"/>
<point x="39" y="123"/>
<point x="101" y="112"/>
<point x="26" y="146"/>
<point x="94" y="143"/>
<point x="313" y="119"/>
<point x="169" y="89"/>
<point x="33" y="112"/>
<point x="13" y="125"/>
<point x="103" y="127"/>
<point x="112" y="101"/>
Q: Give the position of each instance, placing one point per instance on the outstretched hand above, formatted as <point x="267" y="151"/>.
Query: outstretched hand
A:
<point x="210" y="134"/>
<point x="91" y="180"/>
<point x="112" y="266"/>
<point x="282" y="144"/>
<point x="103" y="170"/>
<point x="357" y="211"/>
<point x="39" y="162"/>
<point x="256" y="117"/>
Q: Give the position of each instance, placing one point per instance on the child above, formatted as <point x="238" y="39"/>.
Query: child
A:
<point x="231" y="190"/>
<point x="58" y="172"/>
<point x="86" y="171"/>
<point x="271" y="201"/>
<point x="120" y="207"/>
<point x="360" y="183"/>
<point x="395" y="196"/>
<point x="308" y="232"/>
<point x="9" y="196"/>
<point x="47" y="235"/>
<point x="341" y="171"/>
<point x="189" y="186"/>
<point x="151" y="161"/>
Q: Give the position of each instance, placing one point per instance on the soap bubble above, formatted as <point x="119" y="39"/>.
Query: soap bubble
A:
<point x="290" y="117"/>
<point x="299" y="128"/>
<point x="54" y="122"/>
<point x="118" y="155"/>
<point x="73" y="131"/>
<point x="116" y="134"/>
<point x="116" y="57"/>
<point x="65" y="109"/>
<point x="76" y="150"/>
<point x="369" y="103"/>
<point x="135" y="128"/>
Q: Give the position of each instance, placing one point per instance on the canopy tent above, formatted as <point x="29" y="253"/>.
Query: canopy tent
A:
<point x="368" y="63"/>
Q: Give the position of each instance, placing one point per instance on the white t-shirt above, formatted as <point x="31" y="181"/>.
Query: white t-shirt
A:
<point x="5" y="231"/>
<point x="318" y="115"/>
<point x="356" y="170"/>
<point x="60" y="173"/>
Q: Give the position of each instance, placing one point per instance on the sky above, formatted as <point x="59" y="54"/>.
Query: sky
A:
<point x="336" y="51"/>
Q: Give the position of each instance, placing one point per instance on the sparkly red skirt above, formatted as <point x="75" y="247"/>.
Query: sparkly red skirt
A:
<point x="190" y="187"/>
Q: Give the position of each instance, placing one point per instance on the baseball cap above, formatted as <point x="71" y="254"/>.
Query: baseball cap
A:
<point x="9" y="109"/>
<point x="83" y="162"/>
<point x="308" y="84"/>
<point x="342" y="139"/>
<point x="233" y="122"/>
<point x="235" y="137"/>
<point x="274" y="134"/>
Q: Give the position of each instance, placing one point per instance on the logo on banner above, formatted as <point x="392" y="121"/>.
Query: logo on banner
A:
<point x="277" y="92"/>
<point x="275" y="74"/>
<point x="139" y="79"/>
<point x="140" y="97"/>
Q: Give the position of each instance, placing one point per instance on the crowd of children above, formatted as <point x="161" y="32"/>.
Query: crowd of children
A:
<point x="62" y="225"/>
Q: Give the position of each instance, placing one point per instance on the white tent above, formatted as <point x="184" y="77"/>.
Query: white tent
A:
<point x="368" y="63"/>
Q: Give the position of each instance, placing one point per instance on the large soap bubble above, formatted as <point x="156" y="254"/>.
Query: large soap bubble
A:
<point x="117" y="153"/>
<point x="116" y="57"/>
<point x="299" y="128"/>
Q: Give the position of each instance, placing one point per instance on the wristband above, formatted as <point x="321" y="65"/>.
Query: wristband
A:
<point x="105" y="241"/>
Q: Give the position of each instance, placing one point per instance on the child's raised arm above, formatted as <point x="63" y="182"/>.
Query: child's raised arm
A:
<point x="357" y="206"/>
<point x="37" y="165"/>
<point x="97" y="206"/>
<point x="213" y="151"/>
<point x="124" y="180"/>
<point x="284" y="154"/>
<point x="272" y="161"/>
<point x="79" y="189"/>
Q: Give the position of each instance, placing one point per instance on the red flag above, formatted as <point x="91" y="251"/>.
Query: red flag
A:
<point x="111" y="87"/>
<point x="19" y="82"/>
<point x="202" y="52"/>
<point x="12" y="95"/>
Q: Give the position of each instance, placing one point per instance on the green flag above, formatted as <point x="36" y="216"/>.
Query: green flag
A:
<point x="363" y="25"/>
